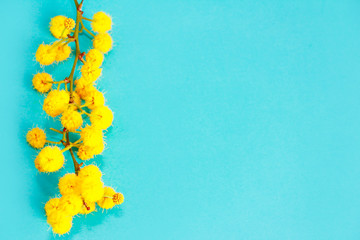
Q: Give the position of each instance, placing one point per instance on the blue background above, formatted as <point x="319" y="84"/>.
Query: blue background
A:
<point x="233" y="120"/>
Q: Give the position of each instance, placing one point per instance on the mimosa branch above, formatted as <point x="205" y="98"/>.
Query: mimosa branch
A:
<point x="75" y="36"/>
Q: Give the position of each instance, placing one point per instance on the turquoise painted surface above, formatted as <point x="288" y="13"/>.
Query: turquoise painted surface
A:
<point x="233" y="120"/>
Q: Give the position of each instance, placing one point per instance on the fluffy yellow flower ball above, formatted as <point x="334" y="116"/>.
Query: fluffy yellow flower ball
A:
<point x="99" y="148"/>
<point x="102" y="117"/>
<point x="106" y="201"/>
<point x="91" y="136"/>
<point x="69" y="184"/>
<point x="95" y="99"/>
<point x="57" y="26"/>
<point x="95" y="57"/>
<point x="92" y="191"/>
<point x="45" y="55"/>
<point x="56" y="102"/>
<point x="71" y="119"/>
<point x="58" y="216"/>
<point x="36" y="137"/>
<point x="62" y="227"/>
<point x="49" y="159"/>
<point x="103" y="42"/>
<point x="51" y="206"/>
<point x="70" y="204"/>
<point x="118" y="198"/>
<point x="101" y="22"/>
<point x="90" y="72"/>
<point x="90" y="207"/>
<point x="60" y="222"/>
<point x="85" y="152"/>
<point x="91" y="186"/>
<point x="90" y="173"/>
<point x="69" y="23"/>
<point x="62" y="52"/>
<point x="83" y="88"/>
<point x="42" y="82"/>
<point x="84" y="82"/>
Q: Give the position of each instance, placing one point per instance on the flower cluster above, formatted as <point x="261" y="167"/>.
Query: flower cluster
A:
<point x="61" y="27"/>
<point x="80" y="195"/>
<point x="81" y="109"/>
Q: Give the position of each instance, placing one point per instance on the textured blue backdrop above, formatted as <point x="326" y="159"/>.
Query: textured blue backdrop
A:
<point x="233" y="120"/>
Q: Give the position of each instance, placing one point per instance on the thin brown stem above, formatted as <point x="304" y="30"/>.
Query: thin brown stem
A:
<point x="65" y="43"/>
<point x="87" y="19"/>
<point x="84" y="112"/>
<point x="83" y="27"/>
<point x="66" y="139"/>
<point x="86" y="206"/>
<point x="59" y="42"/>
<point x="53" y="142"/>
<point x="76" y="164"/>
<point x="55" y="130"/>
<point x="76" y="37"/>
<point x="56" y="82"/>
